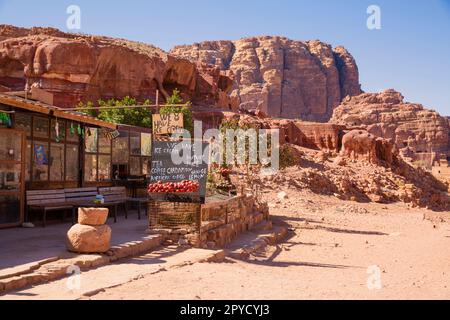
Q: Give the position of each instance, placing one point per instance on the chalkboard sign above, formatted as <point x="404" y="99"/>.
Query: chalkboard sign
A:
<point x="165" y="170"/>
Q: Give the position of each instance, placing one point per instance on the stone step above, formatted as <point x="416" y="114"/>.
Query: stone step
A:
<point x="252" y="241"/>
<point x="59" y="268"/>
<point x="262" y="226"/>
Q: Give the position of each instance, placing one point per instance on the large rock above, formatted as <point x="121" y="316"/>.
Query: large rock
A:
<point x="89" y="239"/>
<point x="418" y="133"/>
<point x="359" y="145"/>
<point x="362" y="145"/>
<point x="79" y="67"/>
<point x="282" y="77"/>
<point x="93" y="216"/>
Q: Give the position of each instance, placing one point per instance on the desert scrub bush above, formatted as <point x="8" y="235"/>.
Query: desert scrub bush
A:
<point x="176" y="99"/>
<point x="287" y="157"/>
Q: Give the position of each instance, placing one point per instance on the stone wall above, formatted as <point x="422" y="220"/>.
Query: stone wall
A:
<point x="312" y="135"/>
<point x="441" y="170"/>
<point x="224" y="220"/>
<point x="320" y="136"/>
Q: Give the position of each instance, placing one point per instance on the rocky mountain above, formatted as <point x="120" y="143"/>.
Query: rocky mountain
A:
<point x="282" y="77"/>
<point x="419" y="133"/>
<point x="79" y="67"/>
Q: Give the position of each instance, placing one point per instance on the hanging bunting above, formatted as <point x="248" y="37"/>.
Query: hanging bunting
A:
<point x="57" y="131"/>
<point x="4" y="118"/>
<point x="111" y="135"/>
<point x="9" y="122"/>
<point x="115" y="134"/>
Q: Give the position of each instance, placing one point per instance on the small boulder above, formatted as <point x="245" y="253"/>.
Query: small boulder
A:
<point x="282" y="195"/>
<point x="340" y="161"/>
<point x="92" y="216"/>
<point x="89" y="239"/>
<point x="322" y="156"/>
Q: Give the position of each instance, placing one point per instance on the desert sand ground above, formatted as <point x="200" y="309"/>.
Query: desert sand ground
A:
<point x="334" y="250"/>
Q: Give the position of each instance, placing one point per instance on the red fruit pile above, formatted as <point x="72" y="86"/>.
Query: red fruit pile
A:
<point x="184" y="186"/>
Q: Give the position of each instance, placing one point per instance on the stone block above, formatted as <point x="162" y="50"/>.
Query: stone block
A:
<point x="92" y="216"/>
<point x="89" y="239"/>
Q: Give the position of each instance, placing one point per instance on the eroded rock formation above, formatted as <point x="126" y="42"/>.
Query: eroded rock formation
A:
<point x="360" y="180"/>
<point x="362" y="145"/>
<point x="359" y="144"/>
<point x="418" y="133"/>
<point x="282" y="77"/>
<point x="77" y="67"/>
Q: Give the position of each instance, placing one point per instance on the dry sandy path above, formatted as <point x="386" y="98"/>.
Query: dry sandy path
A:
<point x="331" y="246"/>
<point x="327" y="257"/>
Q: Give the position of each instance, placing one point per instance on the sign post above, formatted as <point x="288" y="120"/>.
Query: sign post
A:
<point x="167" y="123"/>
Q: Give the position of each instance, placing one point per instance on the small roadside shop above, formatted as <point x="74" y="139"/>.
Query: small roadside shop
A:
<point x="45" y="148"/>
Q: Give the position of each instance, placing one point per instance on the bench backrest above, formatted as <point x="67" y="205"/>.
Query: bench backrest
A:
<point x="113" y="194"/>
<point x="80" y="194"/>
<point x="43" y="197"/>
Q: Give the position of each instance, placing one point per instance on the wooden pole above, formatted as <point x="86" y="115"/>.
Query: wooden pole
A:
<point x="157" y="101"/>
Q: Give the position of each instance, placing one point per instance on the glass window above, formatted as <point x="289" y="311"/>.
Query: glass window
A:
<point x="72" y="132"/>
<point x="135" y="166"/>
<point x="11" y="147"/>
<point x="57" y="162"/>
<point x="120" y="148"/>
<point x="90" y="168"/>
<point x="40" y="127"/>
<point x="104" y="143"/>
<point x="40" y="161"/>
<point x="9" y="209"/>
<point x="91" y="140"/>
<point x="5" y="118"/>
<point x="104" y="168"/>
<point x="135" y="143"/>
<point x="28" y="161"/>
<point x="146" y="166"/>
<point x="22" y="121"/>
<point x="146" y="144"/>
<point x="10" y="177"/>
<point x="72" y="163"/>
<point x="60" y="129"/>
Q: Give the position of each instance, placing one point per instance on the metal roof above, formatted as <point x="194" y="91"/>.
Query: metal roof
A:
<point x="40" y="107"/>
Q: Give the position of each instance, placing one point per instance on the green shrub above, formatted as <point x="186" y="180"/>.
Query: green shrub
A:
<point x="141" y="117"/>
<point x="175" y="99"/>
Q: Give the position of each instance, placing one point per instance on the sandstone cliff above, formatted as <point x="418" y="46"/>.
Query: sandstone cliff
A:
<point x="282" y="77"/>
<point x="79" y="67"/>
<point x="419" y="133"/>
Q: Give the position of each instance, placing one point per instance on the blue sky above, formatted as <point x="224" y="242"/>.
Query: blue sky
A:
<point x="410" y="53"/>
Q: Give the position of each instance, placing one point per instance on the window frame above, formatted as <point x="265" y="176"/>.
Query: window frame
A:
<point x="49" y="140"/>
<point x="141" y="157"/>
<point x="97" y="155"/>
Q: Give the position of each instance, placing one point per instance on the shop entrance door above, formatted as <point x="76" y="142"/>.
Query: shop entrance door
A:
<point x="12" y="186"/>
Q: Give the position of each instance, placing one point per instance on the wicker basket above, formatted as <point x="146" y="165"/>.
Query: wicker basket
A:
<point x="175" y="197"/>
<point x="174" y="215"/>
